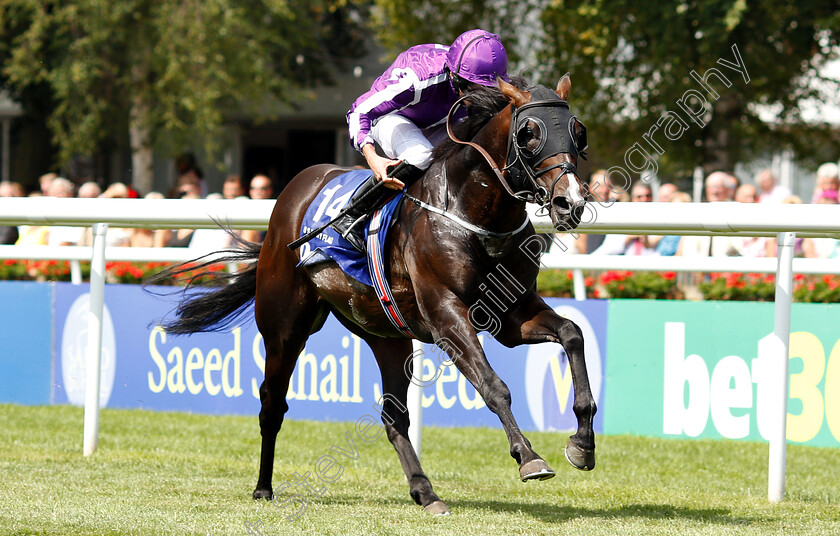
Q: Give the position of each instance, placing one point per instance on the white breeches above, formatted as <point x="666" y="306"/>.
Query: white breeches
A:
<point x="401" y="139"/>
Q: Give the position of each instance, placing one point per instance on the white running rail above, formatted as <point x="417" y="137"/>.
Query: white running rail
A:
<point x="785" y="222"/>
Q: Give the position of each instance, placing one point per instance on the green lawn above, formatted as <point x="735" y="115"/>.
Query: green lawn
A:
<point x="172" y="473"/>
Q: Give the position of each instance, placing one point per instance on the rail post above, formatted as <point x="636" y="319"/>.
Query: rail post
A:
<point x="415" y="397"/>
<point x="784" y="298"/>
<point x="94" y="338"/>
<point x="579" y="284"/>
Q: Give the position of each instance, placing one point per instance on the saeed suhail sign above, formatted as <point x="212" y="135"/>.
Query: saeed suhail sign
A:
<point x="336" y="376"/>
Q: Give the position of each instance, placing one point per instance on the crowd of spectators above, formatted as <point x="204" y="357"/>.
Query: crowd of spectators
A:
<point x="719" y="187"/>
<point x="188" y="185"/>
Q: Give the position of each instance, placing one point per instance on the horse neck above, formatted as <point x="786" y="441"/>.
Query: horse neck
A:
<point x="474" y="190"/>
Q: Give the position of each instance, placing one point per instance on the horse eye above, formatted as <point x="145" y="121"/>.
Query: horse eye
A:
<point x="528" y="137"/>
<point x="524" y="135"/>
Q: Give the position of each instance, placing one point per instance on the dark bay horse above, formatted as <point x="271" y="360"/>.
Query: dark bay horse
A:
<point x="467" y="224"/>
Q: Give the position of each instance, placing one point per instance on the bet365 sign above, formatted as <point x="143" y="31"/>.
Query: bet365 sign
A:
<point x="705" y="370"/>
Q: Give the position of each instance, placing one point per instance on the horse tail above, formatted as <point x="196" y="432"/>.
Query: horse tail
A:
<point x="224" y="303"/>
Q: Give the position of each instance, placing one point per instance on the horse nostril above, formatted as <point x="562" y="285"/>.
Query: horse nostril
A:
<point x="561" y="204"/>
<point x="577" y="214"/>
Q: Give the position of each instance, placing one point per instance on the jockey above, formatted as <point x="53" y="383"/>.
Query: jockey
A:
<point x="405" y="113"/>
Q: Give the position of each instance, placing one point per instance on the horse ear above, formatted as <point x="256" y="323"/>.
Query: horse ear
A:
<point x="518" y="98"/>
<point x="564" y="86"/>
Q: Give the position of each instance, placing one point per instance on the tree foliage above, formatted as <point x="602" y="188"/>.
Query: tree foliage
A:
<point x="174" y="67"/>
<point x="631" y="62"/>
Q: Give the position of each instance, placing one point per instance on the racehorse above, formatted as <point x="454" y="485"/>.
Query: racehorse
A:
<point x="464" y="225"/>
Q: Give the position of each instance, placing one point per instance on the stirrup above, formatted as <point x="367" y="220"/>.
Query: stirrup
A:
<point x="352" y="230"/>
<point x="354" y="236"/>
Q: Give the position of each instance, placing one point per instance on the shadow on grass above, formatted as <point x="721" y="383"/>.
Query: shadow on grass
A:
<point x="553" y="513"/>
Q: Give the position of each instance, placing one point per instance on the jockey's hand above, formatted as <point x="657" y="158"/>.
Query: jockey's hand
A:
<point x="379" y="165"/>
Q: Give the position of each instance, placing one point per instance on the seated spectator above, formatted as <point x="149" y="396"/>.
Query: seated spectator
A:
<point x="666" y="192"/>
<point x="187" y="188"/>
<point x="145" y="238"/>
<point x="186" y="166"/>
<point x="183" y="185"/>
<point x="116" y="236"/>
<point x="637" y="245"/>
<point x="233" y="187"/>
<point x="772" y="246"/>
<point x="12" y="189"/>
<point x="769" y="191"/>
<point x="703" y="246"/>
<point x="208" y="240"/>
<point x="598" y="192"/>
<point x="669" y="244"/>
<point x="45" y="180"/>
<point x="613" y="244"/>
<point x="823" y="248"/>
<point x="9" y="233"/>
<point x="734" y="184"/>
<point x="719" y="187"/>
<point x="32" y="235"/>
<point x="828" y="178"/>
<point x="641" y="193"/>
<point x="746" y="193"/>
<point x="621" y="244"/>
<point x="59" y="235"/>
<point x="89" y="190"/>
<point x="261" y="188"/>
<point x="748" y="246"/>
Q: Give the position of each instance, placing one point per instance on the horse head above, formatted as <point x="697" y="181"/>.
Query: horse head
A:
<point x="545" y="141"/>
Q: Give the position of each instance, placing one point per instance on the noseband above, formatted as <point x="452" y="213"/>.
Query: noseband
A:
<point x="545" y="109"/>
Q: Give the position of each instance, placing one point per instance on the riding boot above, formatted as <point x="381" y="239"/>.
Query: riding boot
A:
<point x="351" y="225"/>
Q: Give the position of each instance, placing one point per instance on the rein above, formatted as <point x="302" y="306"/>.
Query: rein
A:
<point x="460" y="221"/>
<point x="499" y="175"/>
<point x="519" y="166"/>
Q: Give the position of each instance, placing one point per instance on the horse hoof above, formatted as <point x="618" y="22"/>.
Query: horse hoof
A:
<point x="535" y="470"/>
<point x="262" y="494"/>
<point x="580" y="458"/>
<point x="437" y="508"/>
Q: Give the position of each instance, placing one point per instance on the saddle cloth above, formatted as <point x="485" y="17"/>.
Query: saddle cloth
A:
<point x="330" y="245"/>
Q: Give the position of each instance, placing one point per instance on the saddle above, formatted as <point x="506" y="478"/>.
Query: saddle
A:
<point x="328" y="245"/>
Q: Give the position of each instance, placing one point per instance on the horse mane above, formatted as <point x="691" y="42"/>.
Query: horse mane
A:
<point x="484" y="103"/>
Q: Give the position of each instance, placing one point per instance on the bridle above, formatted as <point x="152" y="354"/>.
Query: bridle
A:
<point x="546" y="108"/>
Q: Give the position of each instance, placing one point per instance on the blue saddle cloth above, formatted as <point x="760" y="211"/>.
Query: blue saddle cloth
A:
<point x="329" y="245"/>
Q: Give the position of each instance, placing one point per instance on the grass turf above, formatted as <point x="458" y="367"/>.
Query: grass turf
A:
<point x="158" y="473"/>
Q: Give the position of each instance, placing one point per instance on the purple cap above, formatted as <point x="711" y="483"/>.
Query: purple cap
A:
<point x="478" y="56"/>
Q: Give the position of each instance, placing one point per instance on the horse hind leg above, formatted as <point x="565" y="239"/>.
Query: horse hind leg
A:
<point x="284" y="340"/>
<point x="391" y="355"/>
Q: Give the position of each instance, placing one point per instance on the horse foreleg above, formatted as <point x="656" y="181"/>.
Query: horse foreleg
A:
<point x="391" y="355"/>
<point x="460" y="341"/>
<point x="535" y="322"/>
